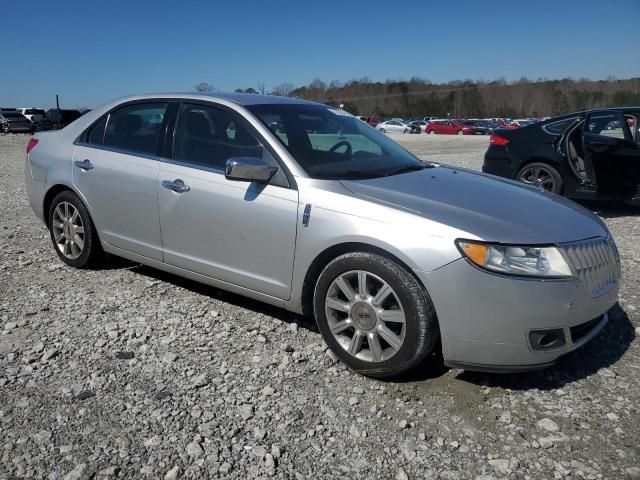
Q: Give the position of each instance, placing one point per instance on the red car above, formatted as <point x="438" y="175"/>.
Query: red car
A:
<point x="449" y="127"/>
<point x="372" y="120"/>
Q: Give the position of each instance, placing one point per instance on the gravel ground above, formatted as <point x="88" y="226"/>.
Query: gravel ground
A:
<point x="128" y="372"/>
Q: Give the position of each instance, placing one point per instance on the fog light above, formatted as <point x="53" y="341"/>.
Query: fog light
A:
<point x="546" y="339"/>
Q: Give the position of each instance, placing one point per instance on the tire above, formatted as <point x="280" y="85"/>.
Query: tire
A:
<point x="460" y="132"/>
<point x="67" y="229"/>
<point x="548" y="177"/>
<point x="376" y="353"/>
<point x="405" y="131"/>
<point x="382" y="130"/>
<point x="431" y="132"/>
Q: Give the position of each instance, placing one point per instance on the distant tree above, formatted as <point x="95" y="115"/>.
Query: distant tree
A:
<point x="239" y="90"/>
<point x="250" y="90"/>
<point x="283" y="90"/>
<point x="204" y="87"/>
<point x="262" y="87"/>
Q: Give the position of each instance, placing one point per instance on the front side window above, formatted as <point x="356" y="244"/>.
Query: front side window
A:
<point x="209" y="136"/>
<point x="136" y="128"/>
<point x="329" y="144"/>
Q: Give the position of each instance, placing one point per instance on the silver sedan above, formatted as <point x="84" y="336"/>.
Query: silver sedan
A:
<point x="305" y="207"/>
<point x="396" y="126"/>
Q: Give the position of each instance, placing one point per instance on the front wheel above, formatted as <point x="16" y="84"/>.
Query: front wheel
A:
<point x="382" y="130"/>
<point x="374" y="315"/>
<point x="431" y="132"/>
<point x="73" y="234"/>
<point x="460" y="132"/>
<point x="406" y="130"/>
<point x="541" y="175"/>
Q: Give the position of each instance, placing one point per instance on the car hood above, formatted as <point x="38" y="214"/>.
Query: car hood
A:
<point x="489" y="208"/>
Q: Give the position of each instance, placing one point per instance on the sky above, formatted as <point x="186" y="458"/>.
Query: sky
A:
<point x="93" y="51"/>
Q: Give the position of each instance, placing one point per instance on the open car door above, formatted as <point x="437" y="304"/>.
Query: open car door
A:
<point x="611" y="153"/>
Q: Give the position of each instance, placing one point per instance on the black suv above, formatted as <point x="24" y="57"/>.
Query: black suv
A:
<point x="592" y="155"/>
<point x="61" y="118"/>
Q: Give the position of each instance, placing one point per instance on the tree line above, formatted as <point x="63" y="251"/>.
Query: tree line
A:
<point x="464" y="99"/>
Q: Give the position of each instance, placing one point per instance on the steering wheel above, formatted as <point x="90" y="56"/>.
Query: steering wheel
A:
<point x="343" y="143"/>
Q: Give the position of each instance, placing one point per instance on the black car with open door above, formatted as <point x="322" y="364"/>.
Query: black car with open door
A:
<point x="591" y="155"/>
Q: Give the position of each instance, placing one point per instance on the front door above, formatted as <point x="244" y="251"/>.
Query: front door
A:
<point x="115" y="169"/>
<point x="612" y="152"/>
<point x="239" y="232"/>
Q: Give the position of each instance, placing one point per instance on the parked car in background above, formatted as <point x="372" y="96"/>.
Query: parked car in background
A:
<point x="420" y="124"/>
<point x="37" y="117"/>
<point x="450" y="127"/>
<point x="577" y="155"/>
<point x="61" y="118"/>
<point x="394" y="256"/>
<point x="373" y="120"/>
<point x="476" y="127"/>
<point x="396" y="126"/>
<point x="12" y="121"/>
<point x="429" y="119"/>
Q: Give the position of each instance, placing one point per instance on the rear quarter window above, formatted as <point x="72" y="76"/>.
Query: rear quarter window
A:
<point x="559" y="127"/>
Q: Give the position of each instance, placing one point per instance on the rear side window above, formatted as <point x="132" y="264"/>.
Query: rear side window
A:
<point x="136" y="128"/>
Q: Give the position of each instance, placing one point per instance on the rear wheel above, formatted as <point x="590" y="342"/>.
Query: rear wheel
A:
<point x="73" y="234"/>
<point x="374" y="315"/>
<point x="460" y="132"/>
<point x="406" y="130"/>
<point x="431" y="132"/>
<point x="541" y="175"/>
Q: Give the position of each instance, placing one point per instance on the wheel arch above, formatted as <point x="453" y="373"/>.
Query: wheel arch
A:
<point x="55" y="190"/>
<point x="326" y="256"/>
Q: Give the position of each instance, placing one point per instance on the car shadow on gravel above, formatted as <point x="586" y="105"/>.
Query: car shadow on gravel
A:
<point x="228" y="297"/>
<point x="601" y="352"/>
<point x="611" y="209"/>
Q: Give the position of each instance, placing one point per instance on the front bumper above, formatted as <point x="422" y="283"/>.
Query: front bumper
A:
<point x="486" y="319"/>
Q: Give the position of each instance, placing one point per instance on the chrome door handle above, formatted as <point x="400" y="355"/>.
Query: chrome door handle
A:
<point x="84" y="164"/>
<point x="176" y="185"/>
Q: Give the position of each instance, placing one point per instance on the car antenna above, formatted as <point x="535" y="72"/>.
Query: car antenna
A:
<point x="57" y="113"/>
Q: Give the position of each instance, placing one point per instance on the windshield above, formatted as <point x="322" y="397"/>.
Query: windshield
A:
<point x="330" y="144"/>
<point x="11" y="115"/>
<point x="34" y="111"/>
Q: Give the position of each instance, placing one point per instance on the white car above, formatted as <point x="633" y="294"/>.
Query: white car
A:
<point x="393" y="126"/>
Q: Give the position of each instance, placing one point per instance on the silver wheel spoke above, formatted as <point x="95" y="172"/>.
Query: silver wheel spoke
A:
<point x="80" y="230"/>
<point x="78" y="241"/>
<point x="356" y="343"/>
<point x="391" y="338"/>
<point x="336" y="304"/>
<point x="57" y="224"/>
<point x="374" y="346"/>
<point x="345" y="288"/>
<point x="396" y="316"/>
<point x="59" y="213"/>
<point x="382" y="294"/>
<point x="74" y="216"/>
<point x="66" y="210"/>
<point x="66" y="247"/>
<point x="362" y="284"/>
<point x="340" y="326"/>
<point x="58" y="237"/>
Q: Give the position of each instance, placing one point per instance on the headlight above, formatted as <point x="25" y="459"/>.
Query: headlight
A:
<point x="516" y="259"/>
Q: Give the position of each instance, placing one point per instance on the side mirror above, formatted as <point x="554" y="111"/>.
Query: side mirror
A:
<point x="248" y="169"/>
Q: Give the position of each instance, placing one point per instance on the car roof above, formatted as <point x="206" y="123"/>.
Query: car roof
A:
<point x="243" y="99"/>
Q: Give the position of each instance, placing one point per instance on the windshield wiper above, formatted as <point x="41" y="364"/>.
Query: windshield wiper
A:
<point x="405" y="169"/>
<point x="340" y="174"/>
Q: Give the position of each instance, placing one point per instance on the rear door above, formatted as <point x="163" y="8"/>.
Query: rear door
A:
<point x="115" y="168"/>
<point x="612" y="152"/>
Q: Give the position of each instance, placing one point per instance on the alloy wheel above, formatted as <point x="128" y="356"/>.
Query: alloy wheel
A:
<point x="365" y="316"/>
<point x="68" y="230"/>
<point x="538" y="176"/>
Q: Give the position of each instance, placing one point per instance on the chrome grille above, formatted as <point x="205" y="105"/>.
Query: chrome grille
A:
<point x="596" y="263"/>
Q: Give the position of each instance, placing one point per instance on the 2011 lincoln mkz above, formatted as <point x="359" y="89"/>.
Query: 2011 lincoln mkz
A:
<point x="304" y="206"/>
